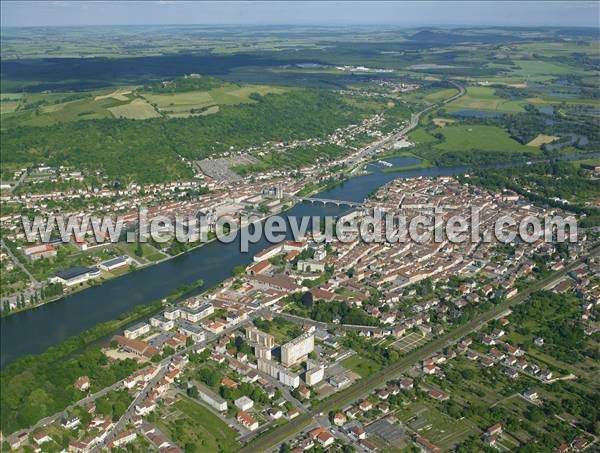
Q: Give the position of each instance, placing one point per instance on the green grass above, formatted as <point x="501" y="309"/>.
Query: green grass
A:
<point x="203" y="429"/>
<point x="442" y="430"/>
<point x="485" y="138"/>
<point x="149" y="253"/>
<point x="182" y="103"/>
<point x="361" y="365"/>
<point x="484" y="98"/>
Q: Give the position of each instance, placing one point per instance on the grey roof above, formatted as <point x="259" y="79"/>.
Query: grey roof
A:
<point x="75" y="272"/>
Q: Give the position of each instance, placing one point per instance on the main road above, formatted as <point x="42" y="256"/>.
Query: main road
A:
<point x="357" y="159"/>
<point x="367" y="385"/>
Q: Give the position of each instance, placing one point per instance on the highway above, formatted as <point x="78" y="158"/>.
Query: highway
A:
<point x="367" y="385"/>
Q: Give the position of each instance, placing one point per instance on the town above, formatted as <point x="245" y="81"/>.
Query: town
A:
<point x="307" y="322"/>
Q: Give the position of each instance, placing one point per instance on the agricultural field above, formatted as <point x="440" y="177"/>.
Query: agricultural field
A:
<point x="484" y="98"/>
<point x="542" y="139"/>
<point x="485" y="138"/>
<point x="206" y="102"/>
<point x="138" y="109"/>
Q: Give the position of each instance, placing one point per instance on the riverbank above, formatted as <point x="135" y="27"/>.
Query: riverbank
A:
<point x="31" y="333"/>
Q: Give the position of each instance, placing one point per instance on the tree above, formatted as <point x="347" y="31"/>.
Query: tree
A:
<point x="193" y="391"/>
<point x="238" y="270"/>
<point x="307" y="299"/>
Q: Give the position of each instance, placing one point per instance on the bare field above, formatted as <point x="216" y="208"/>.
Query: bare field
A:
<point x="443" y="122"/>
<point x="542" y="139"/>
<point x="138" y="109"/>
<point x="118" y="95"/>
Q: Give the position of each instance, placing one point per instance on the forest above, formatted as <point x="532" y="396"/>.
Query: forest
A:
<point x="148" y="151"/>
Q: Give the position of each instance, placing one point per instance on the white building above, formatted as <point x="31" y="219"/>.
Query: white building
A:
<point x="314" y="375"/>
<point x="244" y="403"/>
<point x="211" y="398"/>
<point x="162" y="323"/>
<point x="137" y="330"/>
<point x="298" y="349"/>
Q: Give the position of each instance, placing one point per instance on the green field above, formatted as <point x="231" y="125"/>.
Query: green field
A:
<point x="468" y="137"/>
<point x="190" y="102"/>
<point x="361" y="365"/>
<point x="198" y="430"/>
<point x="484" y="98"/>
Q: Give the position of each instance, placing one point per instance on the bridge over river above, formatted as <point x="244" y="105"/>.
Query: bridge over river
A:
<point x="351" y="204"/>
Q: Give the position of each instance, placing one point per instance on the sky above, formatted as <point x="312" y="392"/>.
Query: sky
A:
<point x="410" y="13"/>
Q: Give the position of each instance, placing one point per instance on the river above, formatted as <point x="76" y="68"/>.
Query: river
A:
<point x="33" y="331"/>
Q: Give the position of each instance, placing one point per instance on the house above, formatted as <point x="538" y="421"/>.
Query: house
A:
<point x="304" y="392"/>
<point x="531" y="394"/>
<point x="123" y="439"/>
<point x="358" y="432"/>
<point x="324" y="437"/>
<point x="293" y="413"/>
<point x="275" y="413"/>
<point x="339" y="419"/>
<point x="82" y="384"/>
<point x="70" y="422"/>
<point x="494" y="430"/>
<point x="406" y="384"/>
<point x="247" y="420"/>
<point x="353" y="412"/>
<point x="215" y="327"/>
<point x="365" y="406"/>
<point x="438" y="395"/>
<point x="429" y="369"/>
<point x="229" y="383"/>
<point x="41" y="438"/>
<point x="16" y="441"/>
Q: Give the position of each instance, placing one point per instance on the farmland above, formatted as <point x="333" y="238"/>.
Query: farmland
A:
<point x="188" y="103"/>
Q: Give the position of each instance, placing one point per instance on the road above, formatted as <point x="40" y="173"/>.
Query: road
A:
<point x="82" y="402"/>
<point x="367" y="385"/>
<point x="357" y="159"/>
<point x="127" y="417"/>
<point x="20" y="265"/>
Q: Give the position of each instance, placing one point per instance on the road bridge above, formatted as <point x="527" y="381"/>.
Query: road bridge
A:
<point x="351" y="204"/>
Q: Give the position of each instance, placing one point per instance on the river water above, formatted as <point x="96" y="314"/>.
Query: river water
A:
<point x="33" y="331"/>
